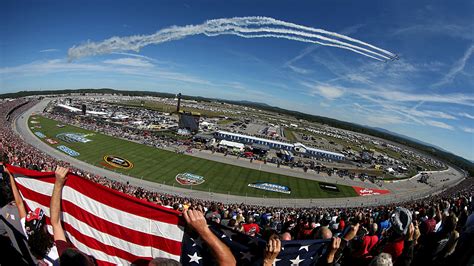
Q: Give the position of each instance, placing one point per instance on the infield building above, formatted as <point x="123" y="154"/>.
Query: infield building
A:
<point x="273" y="144"/>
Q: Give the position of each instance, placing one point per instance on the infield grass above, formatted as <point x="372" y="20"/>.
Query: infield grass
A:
<point x="162" y="166"/>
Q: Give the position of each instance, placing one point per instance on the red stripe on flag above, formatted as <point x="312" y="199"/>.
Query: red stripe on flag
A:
<point x="95" y="244"/>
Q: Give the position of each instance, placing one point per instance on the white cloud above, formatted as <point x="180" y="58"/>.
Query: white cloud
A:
<point x="437" y="27"/>
<point x="49" y="50"/>
<point x="389" y="96"/>
<point x="401" y="96"/>
<point x="49" y="66"/>
<point x="384" y="119"/>
<point x="60" y="65"/>
<point x="132" y="62"/>
<point x="468" y="129"/>
<point x="327" y="91"/>
<point x="299" y="70"/>
<point x="136" y="55"/>
<point x="466" y="115"/>
<point x="433" y="114"/>
<point x="439" y="124"/>
<point x="324" y="104"/>
<point x="358" y="78"/>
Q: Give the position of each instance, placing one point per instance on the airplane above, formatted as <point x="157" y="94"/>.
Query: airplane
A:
<point x="392" y="58"/>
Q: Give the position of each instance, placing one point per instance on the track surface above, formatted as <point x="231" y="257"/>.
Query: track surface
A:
<point x="400" y="191"/>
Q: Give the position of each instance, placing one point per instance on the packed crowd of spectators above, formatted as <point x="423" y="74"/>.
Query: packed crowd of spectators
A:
<point x="437" y="230"/>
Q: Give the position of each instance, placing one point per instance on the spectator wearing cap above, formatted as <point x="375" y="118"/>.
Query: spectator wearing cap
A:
<point x="393" y="241"/>
<point x="326" y="220"/>
<point x="251" y="228"/>
<point x="213" y="214"/>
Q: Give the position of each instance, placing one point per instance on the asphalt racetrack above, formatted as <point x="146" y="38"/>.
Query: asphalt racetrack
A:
<point x="399" y="191"/>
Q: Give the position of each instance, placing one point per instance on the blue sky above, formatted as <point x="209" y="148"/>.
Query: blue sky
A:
<point x="427" y="94"/>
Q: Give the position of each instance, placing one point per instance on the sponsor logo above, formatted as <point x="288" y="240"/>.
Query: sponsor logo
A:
<point x="34" y="122"/>
<point x="188" y="179"/>
<point x="40" y="135"/>
<point x="118" y="162"/>
<point x="328" y="187"/>
<point x="51" y="141"/>
<point x="68" y="151"/>
<point x="370" y="191"/>
<point x="74" y="137"/>
<point x="271" y="187"/>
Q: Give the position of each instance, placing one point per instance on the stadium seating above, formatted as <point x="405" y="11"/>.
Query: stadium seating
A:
<point x="437" y="230"/>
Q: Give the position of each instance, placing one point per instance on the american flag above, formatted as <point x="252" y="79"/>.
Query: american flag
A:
<point x="113" y="227"/>
<point x="116" y="228"/>
<point x="249" y="250"/>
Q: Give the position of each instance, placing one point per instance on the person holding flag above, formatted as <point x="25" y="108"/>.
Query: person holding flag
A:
<point x="34" y="227"/>
<point x="69" y="255"/>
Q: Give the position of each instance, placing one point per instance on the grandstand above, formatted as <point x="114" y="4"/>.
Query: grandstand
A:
<point x="296" y="147"/>
<point x="118" y="223"/>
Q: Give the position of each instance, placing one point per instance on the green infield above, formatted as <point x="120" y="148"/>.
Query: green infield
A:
<point x="163" y="166"/>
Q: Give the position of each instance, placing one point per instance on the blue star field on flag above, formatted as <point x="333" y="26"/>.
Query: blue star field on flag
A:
<point x="249" y="250"/>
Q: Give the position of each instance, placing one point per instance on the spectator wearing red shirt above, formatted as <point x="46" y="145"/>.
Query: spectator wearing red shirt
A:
<point x="342" y="225"/>
<point x="251" y="228"/>
<point x="400" y="219"/>
<point x="428" y="225"/>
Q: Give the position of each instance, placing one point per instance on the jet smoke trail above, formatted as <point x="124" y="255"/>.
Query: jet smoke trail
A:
<point x="302" y="40"/>
<point x="246" y="27"/>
